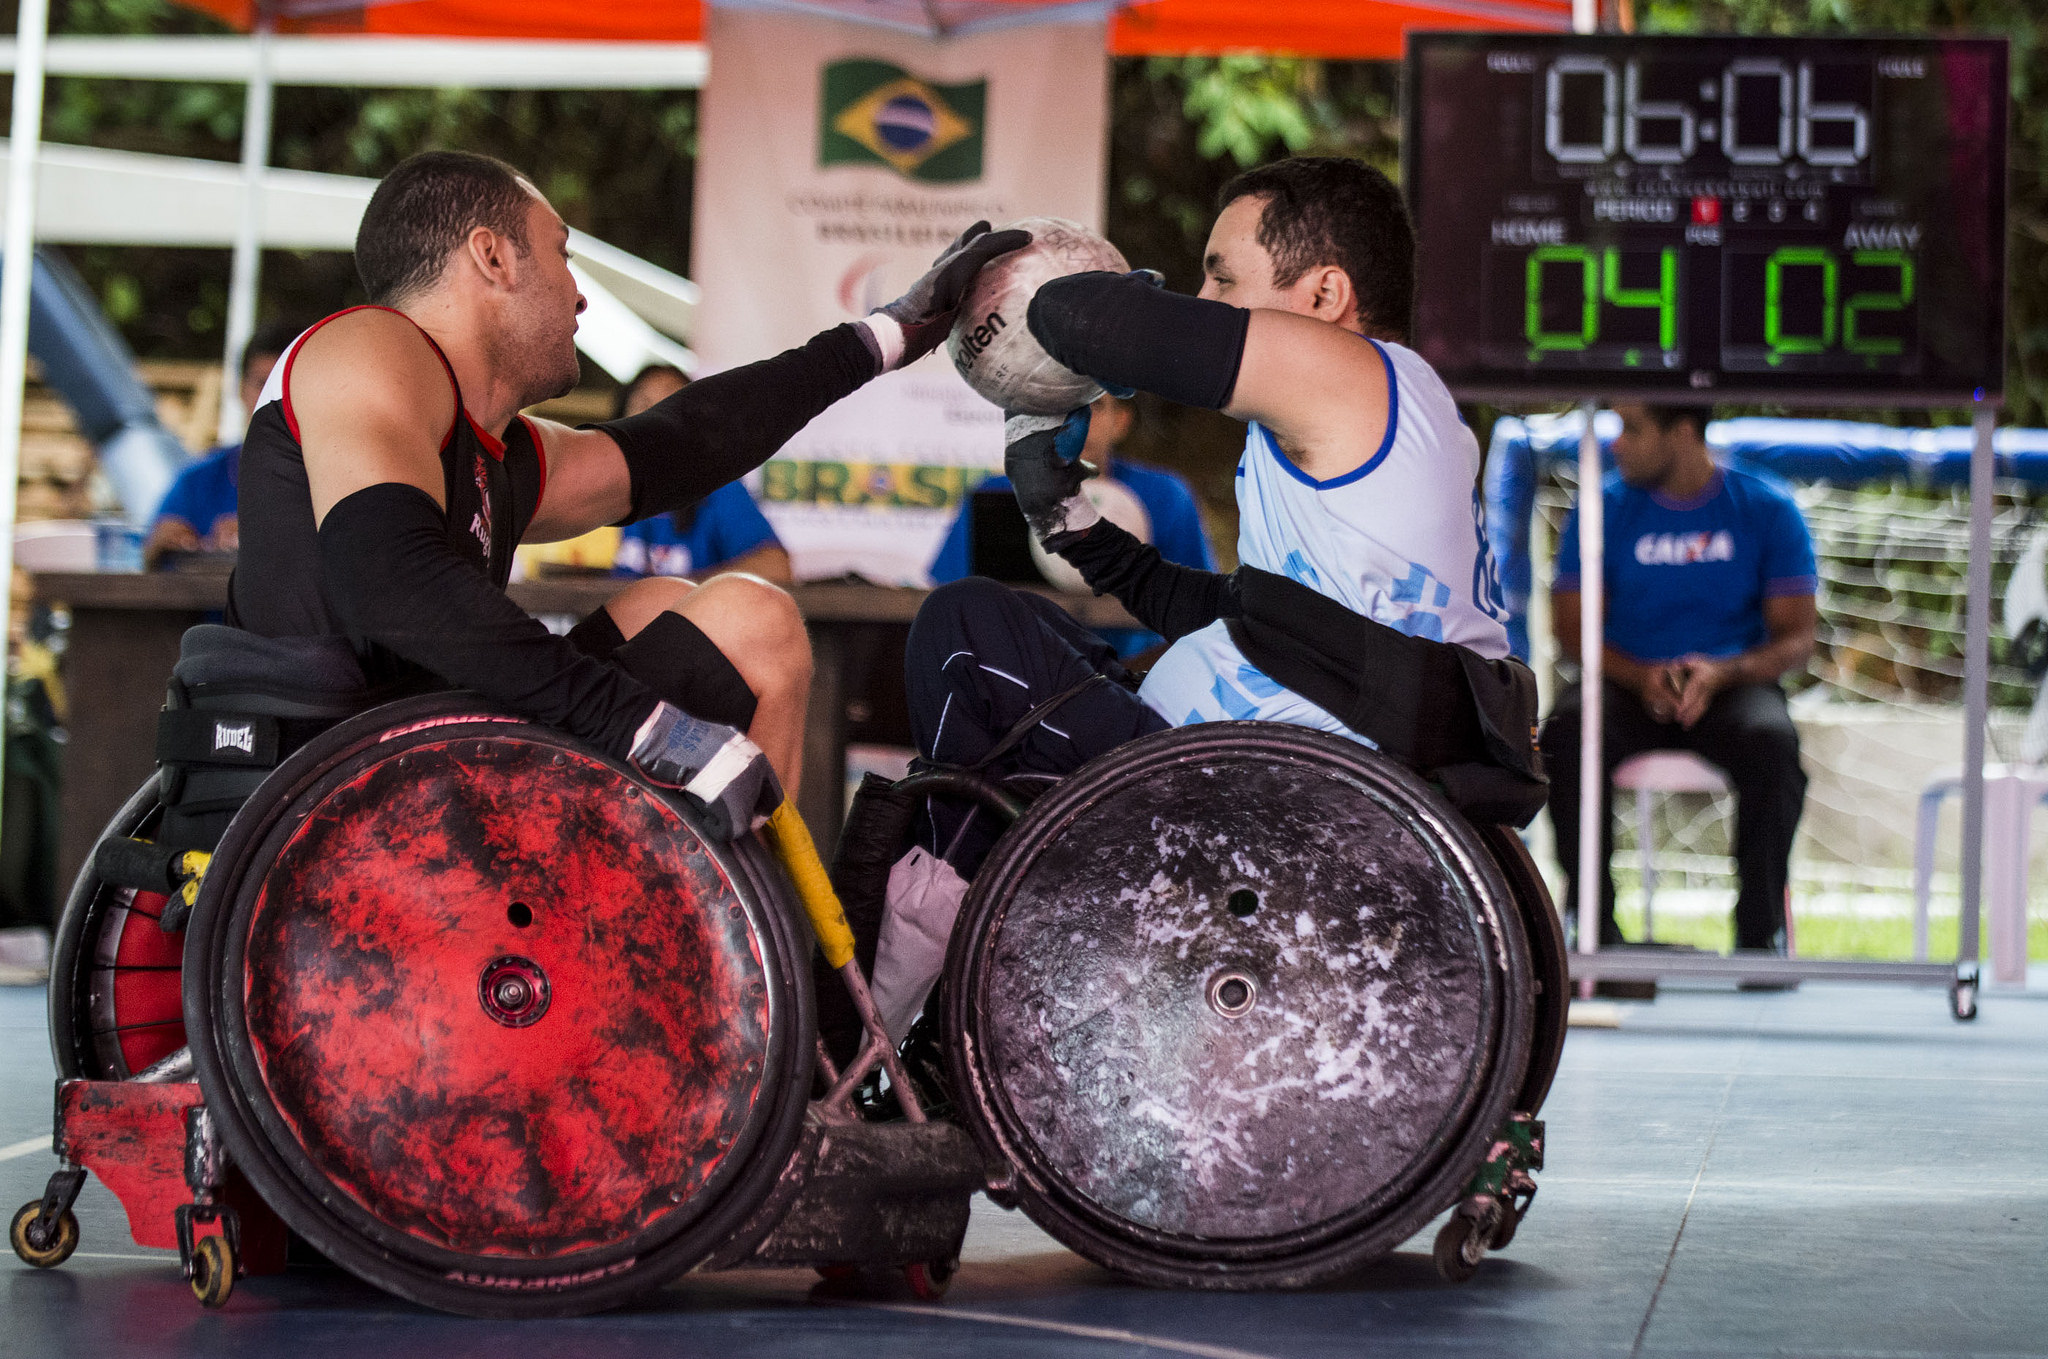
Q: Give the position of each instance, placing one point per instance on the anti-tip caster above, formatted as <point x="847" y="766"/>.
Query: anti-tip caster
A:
<point x="41" y="1244"/>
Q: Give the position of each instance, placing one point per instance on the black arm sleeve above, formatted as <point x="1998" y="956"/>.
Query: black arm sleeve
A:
<point x="1171" y="600"/>
<point x="1124" y="332"/>
<point x="720" y="428"/>
<point x="391" y="576"/>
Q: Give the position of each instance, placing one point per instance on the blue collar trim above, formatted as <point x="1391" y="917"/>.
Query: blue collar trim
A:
<point x="1365" y="469"/>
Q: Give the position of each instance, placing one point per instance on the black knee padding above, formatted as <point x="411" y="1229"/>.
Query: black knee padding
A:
<point x="673" y="657"/>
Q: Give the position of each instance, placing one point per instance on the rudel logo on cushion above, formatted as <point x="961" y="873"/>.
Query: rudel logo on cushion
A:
<point x="235" y="736"/>
<point x="873" y="113"/>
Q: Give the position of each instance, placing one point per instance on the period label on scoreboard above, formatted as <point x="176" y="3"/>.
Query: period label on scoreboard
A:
<point x="1786" y="220"/>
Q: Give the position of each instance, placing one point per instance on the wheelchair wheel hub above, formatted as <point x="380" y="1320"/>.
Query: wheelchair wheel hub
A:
<point x="514" y="991"/>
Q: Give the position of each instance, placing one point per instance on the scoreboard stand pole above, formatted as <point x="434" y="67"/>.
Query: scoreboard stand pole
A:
<point x="1976" y="707"/>
<point x="1592" y="642"/>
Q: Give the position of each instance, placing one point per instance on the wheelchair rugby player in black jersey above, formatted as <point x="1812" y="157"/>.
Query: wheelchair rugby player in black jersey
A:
<point x="388" y="475"/>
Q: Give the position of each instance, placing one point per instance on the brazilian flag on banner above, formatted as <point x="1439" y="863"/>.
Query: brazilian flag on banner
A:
<point x="873" y="113"/>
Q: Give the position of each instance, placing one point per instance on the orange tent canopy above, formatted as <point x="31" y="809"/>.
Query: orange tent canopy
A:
<point x="1320" y="28"/>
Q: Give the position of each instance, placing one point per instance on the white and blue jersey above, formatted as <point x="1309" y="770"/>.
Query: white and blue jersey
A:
<point x="1399" y="539"/>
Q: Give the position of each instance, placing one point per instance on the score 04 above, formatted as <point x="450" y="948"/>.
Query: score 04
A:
<point x="1599" y="277"/>
<point x="1825" y="132"/>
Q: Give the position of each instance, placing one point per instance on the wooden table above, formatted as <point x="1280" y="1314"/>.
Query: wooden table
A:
<point x="124" y="641"/>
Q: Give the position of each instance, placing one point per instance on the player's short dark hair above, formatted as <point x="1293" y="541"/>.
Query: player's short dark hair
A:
<point x="271" y="339"/>
<point x="1334" y="210"/>
<point x="1664" y="417"/>
<point x="424" y="209"/>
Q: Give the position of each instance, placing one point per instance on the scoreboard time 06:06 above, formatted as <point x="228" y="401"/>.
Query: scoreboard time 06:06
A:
<point x="1784" y="220"/>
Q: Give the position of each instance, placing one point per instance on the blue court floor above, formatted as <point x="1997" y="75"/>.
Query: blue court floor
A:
<point x="1841" y="1172"/>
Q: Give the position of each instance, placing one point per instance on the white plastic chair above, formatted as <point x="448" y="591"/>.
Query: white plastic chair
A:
<point x="2011" y="792"/>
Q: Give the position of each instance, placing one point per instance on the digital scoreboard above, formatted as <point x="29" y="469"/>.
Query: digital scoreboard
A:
<point x="1796" y="221"/>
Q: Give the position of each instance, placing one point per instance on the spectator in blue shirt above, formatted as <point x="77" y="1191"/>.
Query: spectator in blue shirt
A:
<point x="1168" y="501"/>
<point x="725" y="531"/>
<point x="1709" y="584"/>
<point x="198" y="512"/>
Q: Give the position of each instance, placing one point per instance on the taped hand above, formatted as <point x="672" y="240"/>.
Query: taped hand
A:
<point x="722" y="773"/>
<point x="926" y="312"/>
<point x="1042" y="457"/>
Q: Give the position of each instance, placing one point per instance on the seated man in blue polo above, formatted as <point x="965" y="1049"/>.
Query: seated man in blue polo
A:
<point x="1709" y="586"/>
<point x="725" y="531"/>
<point x="1175" y="521"/>
<point x="198" y="512"/>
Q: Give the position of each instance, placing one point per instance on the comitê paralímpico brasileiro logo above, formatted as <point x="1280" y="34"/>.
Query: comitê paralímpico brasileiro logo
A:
<point x="873" y="113"/>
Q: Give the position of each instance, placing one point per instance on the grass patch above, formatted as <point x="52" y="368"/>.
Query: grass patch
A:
<point x="1824" y="936"/>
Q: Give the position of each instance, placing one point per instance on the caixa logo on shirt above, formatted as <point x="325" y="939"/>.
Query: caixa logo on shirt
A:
<point x="1683" y="549"/>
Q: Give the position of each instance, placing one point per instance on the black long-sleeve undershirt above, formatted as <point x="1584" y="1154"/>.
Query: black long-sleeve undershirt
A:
<point x="394" y="580"/>
<point x="719" y="428"/>
<point x="1124" y="332"/>
<point x="1170" y="599"/>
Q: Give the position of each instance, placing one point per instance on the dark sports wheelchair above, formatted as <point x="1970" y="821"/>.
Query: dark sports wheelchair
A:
<point x="479" y="1015"/>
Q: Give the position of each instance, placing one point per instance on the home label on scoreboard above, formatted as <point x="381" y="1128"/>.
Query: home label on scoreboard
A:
<point x="1797" y="221"/>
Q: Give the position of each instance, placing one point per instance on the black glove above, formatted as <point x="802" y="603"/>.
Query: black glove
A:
<point x="722" y="773"/>
<point x="925" y="313"/>
<point x="1042" y="457"/>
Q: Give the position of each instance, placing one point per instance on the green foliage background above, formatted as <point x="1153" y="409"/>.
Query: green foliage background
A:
<point x="621" y="164"/>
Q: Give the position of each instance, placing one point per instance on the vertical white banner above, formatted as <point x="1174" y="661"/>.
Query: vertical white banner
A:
<point x="835" y="160"/>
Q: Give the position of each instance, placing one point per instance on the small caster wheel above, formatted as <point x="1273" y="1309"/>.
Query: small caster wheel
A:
<point x="1460" y="1246"/>
<point x="839" y="1274"/>
<point x="930" y="1279"/>
<point x="1503" y="1230"/>
<point x="44" y="1248"/>
<point x="213" y="1271"/>
<point x="1962" y="1000"/>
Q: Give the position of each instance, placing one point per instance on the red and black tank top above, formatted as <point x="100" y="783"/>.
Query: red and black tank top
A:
<point x="491" y="489"/>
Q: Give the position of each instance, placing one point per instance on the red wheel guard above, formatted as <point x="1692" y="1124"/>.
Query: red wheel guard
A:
<point x="566" y="1099"/>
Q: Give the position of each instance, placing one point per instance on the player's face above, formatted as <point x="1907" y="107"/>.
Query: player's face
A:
<point x="545" y="306"/>
<point x="1238" y="270"/>
<point x="1643" y="454"/>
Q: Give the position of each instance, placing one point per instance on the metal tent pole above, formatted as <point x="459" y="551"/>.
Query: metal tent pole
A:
<point x="17" y="270"/>
<point x="1592" y="637"/>
<point x="1976" y="691"/>
<point x="248" y="260"/>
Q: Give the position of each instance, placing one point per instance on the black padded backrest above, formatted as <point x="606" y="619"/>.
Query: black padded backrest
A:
<point x="238" y="704"/>
<point x="212" y="654"/>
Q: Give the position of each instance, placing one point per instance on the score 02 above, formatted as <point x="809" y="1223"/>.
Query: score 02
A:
<point x="1804" y="310"/>
<point x="1767" y="110"/>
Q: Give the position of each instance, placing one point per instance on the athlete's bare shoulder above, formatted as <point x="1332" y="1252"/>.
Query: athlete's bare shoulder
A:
<point x="1320" y="389"/>
<point x="370" y="401"/>
<point x="375" y="358"/>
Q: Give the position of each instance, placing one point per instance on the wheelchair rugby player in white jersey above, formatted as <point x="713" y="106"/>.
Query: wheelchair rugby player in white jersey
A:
<point x="1366" y="604"/>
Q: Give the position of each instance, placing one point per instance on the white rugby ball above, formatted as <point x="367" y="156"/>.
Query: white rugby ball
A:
<point x="991" y="345"/>
<point x="1114" y="501"/>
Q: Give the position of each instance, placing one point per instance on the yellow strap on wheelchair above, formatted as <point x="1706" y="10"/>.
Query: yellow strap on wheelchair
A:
<point x="792" y="842"/>
<point x="192" y="868"/>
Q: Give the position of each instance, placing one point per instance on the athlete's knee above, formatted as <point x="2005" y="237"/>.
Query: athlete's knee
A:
<point x="640" y="603"/>
<point x="759" y="628"/>
<point x="954" y="613"/>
